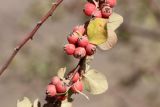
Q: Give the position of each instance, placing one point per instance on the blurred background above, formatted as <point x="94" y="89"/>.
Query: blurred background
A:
<point x="132" y="67"/>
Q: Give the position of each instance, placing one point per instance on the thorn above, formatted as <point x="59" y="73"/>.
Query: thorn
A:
<point x="16" y="49"/>
<point x="39" y="23"/>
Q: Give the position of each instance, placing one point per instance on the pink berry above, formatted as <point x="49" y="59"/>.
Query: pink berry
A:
<point x="83" y="41"/>
<point x="73" y="38"/>
<point x="78" y="86"/>
<point x="112" y="3"/>
<point x="106" y="11"/>
<point x="89" y="8"/>
<point x="69" y="49"/>
<point x="90" y="49"/>
<point x="51" y="90"/>
<point x="80" y="52"/>
<point x="61" y="88"/>
<point x="80" y="29"/>
<point x="75" y="77"/>
<point x="97" y="14"/>
<point x="55" y="80"/>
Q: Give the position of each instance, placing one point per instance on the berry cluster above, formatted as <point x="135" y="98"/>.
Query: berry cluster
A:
<point x="100" y="9"/>
<point x="58" y="88"/>
<point x="79" y="45"/>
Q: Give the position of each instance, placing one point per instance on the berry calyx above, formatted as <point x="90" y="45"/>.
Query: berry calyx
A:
<point x="80" y="29"/>
<point x="80" y="52"/>
<point x="111" y="3"/>
<point x="69" y="49"/>
<point x="61" y="88"/>
<point x="55" y="80"/>
<point x="89" y="8"/>
<point x="75" y="77"/>
<point x="51" y="90"/>
<point x="97" y="14"/>
<point x="73" y="38"/>
<point x="77" y="87"/>
<point x="83" y="41"/>
<point x="90" y="49"/>
<point x="106" y="11"/>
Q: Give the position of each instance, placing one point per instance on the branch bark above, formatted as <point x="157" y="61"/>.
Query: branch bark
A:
<point x="29" y="36"/>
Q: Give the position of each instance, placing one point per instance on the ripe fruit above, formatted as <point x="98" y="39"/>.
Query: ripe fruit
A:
<point x="75" y="77"/>
<point x="111" y="3"/>
<point x="73" y="38"/>
<point x="51" y="90"/>
<point x="61" y="88"/>
<point x="106" y="11"/>
<point x="78" y="86"/>
<point x="55" y="80"/>
<point x="90" y="49"/>
<point x="80" y="52"/>
<point x="83" y="41"/>
<point x="89" y="8"/>
<point x="97" y="14"/>
<point x="80" y="29"/>
<point x="69" y="49"/>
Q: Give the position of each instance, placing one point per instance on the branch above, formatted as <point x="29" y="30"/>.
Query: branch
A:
<point x="29" y="36"/>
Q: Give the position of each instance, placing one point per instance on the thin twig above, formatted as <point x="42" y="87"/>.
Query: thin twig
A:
<point x="29" y="36"/>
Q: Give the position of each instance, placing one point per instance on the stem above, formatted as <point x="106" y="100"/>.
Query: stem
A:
<point x="29" y="36"/>
<point x="80" y="67"/>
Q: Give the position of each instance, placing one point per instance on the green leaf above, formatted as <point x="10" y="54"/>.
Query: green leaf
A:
<point x="66" y="104"/>
<point x="61" y="72"/>
<point x="24" y="103"/>
<point x="111" y="41"/>
<point x="96" y="31"/>
<point x="36" y="103"/>
<point x="95" y="82"/>
<point x="115" y="20"/>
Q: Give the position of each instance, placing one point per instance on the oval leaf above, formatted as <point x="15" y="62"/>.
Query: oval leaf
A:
<point x="111" y="41"/>
<point x="61" y="72"/>
<point x="36" y="103"/>
<point x="95" y="82"/>
<point x="24" y="103"/>
<point x="115" y="20"/>
<point x="96" y="31"/>
<point x="66" y="104"/>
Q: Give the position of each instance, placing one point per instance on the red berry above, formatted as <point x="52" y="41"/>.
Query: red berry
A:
<point x="51" y="90"/>
<point x="89" y="8"/>
<point x="73" y="38"/>
<point x="80" y="52"/>
<point x="61" y="88"/>
<point x="55" y="80"/>
<point x="75" y="77"/>
<point x="69" y="49"/>
<point x="83" y="41"/>
<point x="106" y="11"/>
<point x="97" y="14"/>
<point x="112" y="3"/>
<point x="78" y="86"/>
<point x="80" y="29"/>
<point x="90" y="49"/>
